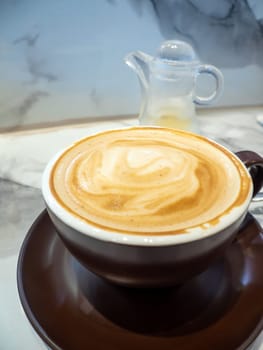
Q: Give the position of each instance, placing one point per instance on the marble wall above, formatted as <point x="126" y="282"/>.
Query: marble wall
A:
<point x="63" y="60"/>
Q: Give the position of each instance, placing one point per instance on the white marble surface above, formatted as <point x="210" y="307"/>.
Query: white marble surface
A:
<point x="23" y="156"/>
<point x="51" y="70"/>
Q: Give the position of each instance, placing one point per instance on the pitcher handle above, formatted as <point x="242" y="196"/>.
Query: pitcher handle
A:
<point x="208" y="69"/>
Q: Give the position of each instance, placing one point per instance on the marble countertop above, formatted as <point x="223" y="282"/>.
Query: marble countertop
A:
<point x="23" y="156"/>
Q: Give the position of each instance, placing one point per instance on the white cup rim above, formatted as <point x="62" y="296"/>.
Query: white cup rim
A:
<point x="143" y="239"/>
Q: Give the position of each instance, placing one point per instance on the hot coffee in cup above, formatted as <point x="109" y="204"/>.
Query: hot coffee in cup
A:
<point x="146" y="206"/>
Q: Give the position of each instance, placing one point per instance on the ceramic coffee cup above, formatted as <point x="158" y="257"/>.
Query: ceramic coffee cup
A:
<point x="148" y="206"/>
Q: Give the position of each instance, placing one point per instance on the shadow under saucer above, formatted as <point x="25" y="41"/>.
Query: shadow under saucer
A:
<point x="73" y="309"/>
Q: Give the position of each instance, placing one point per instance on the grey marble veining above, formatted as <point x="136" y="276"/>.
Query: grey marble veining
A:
<point x="28" y="153"/>
<point x="19" y="206"/>
<point x="24" y="155"/>
<point x="237" y="129"/>
<point x="227" y="33"/>
<point x="64" y="60"/>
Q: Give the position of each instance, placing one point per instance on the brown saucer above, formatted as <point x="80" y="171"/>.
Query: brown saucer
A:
<point x="72" y="309"/>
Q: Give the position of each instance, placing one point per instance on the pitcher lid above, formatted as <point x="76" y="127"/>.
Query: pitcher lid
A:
<point x="176" y="54"/>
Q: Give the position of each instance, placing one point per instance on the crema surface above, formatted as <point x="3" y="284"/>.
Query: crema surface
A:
<point x="148" y="180"/>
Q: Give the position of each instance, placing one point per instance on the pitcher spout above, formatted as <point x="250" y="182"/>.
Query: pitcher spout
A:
<point x="139" y="62"/>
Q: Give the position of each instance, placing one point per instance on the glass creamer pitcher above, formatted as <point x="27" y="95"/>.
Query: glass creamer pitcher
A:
<point x="168" y="83"/>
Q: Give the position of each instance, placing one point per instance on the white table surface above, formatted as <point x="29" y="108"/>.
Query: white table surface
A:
<point x="23" y="156"/>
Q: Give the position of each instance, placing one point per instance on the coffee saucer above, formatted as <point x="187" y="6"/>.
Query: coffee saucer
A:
<point x="72" y="309"/>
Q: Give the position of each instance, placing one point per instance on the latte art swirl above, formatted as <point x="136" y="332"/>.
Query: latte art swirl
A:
<point x="152" y="180"/>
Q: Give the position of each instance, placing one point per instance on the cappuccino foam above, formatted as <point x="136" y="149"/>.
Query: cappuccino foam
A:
<point x="148" y="180"/>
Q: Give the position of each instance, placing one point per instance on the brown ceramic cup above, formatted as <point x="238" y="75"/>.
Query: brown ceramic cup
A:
<point x="148" y="259"/>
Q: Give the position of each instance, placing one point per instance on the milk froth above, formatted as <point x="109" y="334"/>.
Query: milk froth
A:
<point x="148" y="180"/>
